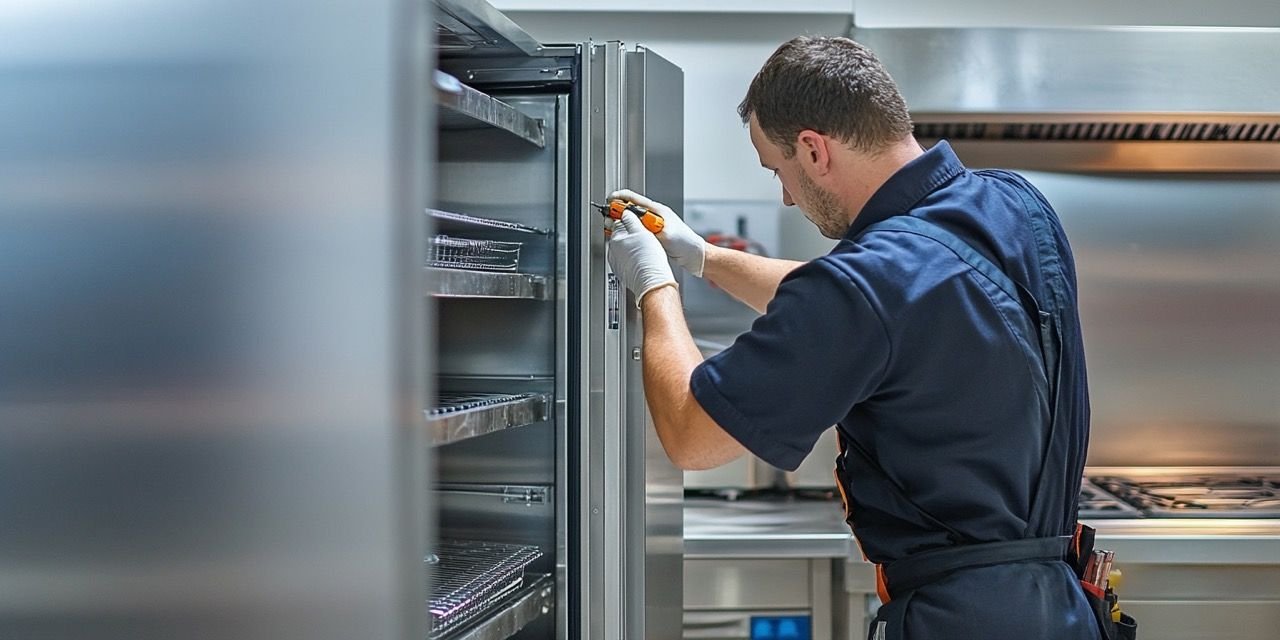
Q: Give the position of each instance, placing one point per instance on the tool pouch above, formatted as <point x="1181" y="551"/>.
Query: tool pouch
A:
<point x="1117" y="627"/>
<point x="1126" y="628"/>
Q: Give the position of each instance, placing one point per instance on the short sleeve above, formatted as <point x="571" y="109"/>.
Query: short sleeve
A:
<point x="819" y="349"/>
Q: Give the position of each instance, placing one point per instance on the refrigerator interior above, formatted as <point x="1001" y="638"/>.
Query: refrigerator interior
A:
<point x="545" y="466"/>
<point x="495" y="276"/>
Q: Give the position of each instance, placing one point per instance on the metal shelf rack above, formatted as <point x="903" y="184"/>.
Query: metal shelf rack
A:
<point x="461" y="283"/>
<point x="462" y="416"/>
<point x="450" y="221"/>
<point x="525" y="606"/>
<point x="483" y="581"/>
<point x="463" y="107"/>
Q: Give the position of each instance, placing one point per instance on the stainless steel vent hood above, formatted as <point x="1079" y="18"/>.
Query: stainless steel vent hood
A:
<point x="1093" y="99"/>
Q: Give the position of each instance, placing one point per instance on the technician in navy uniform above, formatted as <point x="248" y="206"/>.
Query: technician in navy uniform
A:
<point x="940" y="336"/>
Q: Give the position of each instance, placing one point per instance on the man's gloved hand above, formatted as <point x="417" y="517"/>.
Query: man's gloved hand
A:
<point x="684" y="246"/>
<point x="637" y="257"/>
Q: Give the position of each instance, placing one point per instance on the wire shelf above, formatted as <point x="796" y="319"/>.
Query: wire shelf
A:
<point x="454" y="402"/>
<point x="448" y="252"/>
<point x="459" y="416"/>
<point x="453" y="220"/>
<point x="469" y="578"/>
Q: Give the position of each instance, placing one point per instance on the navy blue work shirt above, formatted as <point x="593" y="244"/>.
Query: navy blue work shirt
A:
<point x="893" y="339"/>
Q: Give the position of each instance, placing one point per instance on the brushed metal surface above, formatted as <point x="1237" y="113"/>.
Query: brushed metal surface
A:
<point x="1086" y="75"/>
<point x="592" y="313"/>
<point x="655" y="167"/>
<point x="488" y="174"/>
<point x="210" y="352"/>
<point x="485" y="514"/>
<point x="747" y="583"/>
<point x="759" y="528"/>
<point x="460" y="283"/>
<point x="1105" y="70"/>
<point x="464" y="107"/>
<point x="1179" y="284"/>
<point x="476" y="28"/>
<point x="569" y="484"/>
<point x="1190" y="620"/>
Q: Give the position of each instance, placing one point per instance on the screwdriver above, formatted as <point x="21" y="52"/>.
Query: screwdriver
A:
<point x="651" y="221"/>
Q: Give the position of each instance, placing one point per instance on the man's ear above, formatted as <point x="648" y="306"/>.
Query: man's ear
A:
<point x="812" y="150"/>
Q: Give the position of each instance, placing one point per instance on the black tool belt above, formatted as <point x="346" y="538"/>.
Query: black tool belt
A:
<point x="918" y="570"/>
<point x="915" y="571"/>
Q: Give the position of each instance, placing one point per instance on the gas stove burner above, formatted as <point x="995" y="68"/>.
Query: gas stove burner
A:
<point x="1226" y="495"/>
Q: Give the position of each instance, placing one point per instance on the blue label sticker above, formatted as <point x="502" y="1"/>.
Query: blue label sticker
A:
<point x="781" y="628"/>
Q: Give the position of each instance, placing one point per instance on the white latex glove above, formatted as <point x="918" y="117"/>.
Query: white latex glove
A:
<point x="684" y="246"/>
<point x="637" y="257"/>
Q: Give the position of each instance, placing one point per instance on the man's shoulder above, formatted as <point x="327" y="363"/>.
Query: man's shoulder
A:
<point x="877" y="250"/>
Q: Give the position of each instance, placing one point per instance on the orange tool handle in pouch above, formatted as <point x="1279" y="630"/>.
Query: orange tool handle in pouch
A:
<point x="651" y="221"/>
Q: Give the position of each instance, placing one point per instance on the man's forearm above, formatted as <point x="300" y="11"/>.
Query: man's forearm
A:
<point x="748" y="277"/>
<point x="669" y="359"/>
<point x="690" y="437"/>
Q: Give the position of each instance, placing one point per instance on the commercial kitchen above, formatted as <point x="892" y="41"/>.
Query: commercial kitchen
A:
<point x="307" y="327"/>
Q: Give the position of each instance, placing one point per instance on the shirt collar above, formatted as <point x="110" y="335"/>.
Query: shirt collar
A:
<point x="915" y="180"/>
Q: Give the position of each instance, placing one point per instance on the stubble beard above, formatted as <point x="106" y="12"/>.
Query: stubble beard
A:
<point x="823" y="209"/>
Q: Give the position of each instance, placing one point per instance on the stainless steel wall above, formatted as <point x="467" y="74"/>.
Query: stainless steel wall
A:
<point x="1180" y="299"/>
<point x="209" y="336"/>
<point x="1180" y="304"/>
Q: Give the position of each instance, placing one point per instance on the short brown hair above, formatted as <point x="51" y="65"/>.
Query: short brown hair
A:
<point x="831" y="85"/>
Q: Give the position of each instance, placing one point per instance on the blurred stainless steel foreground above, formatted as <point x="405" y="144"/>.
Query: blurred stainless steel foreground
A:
<point x="207" y="319"/>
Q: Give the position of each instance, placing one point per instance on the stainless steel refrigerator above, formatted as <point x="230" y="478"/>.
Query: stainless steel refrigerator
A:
<point x="546" y="463"/>
<point x="219" y="405"/>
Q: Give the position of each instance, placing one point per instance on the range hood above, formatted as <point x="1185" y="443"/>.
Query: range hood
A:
<point x="1093" y="99"/>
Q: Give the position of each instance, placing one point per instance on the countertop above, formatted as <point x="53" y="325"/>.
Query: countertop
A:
<point x="783" y="528"/>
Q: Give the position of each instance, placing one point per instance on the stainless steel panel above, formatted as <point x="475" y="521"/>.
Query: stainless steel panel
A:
<point x="514" y="456"/>
<point x="464" y="107"/>
<point x="476" y="28"/>
<point x="1081" y="70"/>
<point x="486" y="173"/>
<point x="761" y="528"/>
<point x="630" y="516"/>
<point x="1180" y="304"/>
<point x="994" y="77"/>
<point x="597" y="609"/>
<point x="498" y="412"/>
<point x="461" y="283"/>
<point x="211" y="348"/>
<point x="716" y="625"/>
<point x="817" y="471"/>
<point x="608" y="434"/>
<point x="821" y="587"/>
<point x="1178" y="620"/>
<point x="565" y="446"/>
<point x="746" y="473"/>
<point x="736" y="583"/>
<point x="655" y="525"/>
<point x="489" y="173"/>
<point x="490" y="513"/>
<point x="1199" y="582"/>
<point x="496" y="337"/>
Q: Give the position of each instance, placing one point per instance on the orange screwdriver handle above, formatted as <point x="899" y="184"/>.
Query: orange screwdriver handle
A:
<point x="651" y="221"/>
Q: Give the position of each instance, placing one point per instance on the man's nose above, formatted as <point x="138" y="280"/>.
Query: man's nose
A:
<point x="786" y="198"/>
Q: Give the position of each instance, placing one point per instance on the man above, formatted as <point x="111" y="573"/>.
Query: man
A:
<point x="940" y="335"/>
